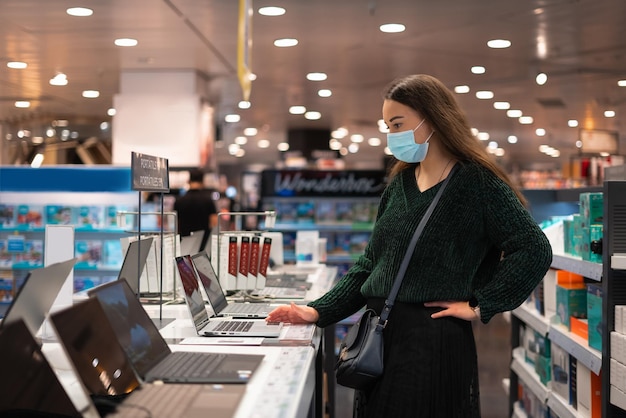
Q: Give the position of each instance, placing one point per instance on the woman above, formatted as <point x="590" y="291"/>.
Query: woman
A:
<point x="480" y="253"/>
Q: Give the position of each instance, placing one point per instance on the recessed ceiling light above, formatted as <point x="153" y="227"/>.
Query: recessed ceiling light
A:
<point x="621" y="83"/>
<point x="285" y="42"/>
<point x="572" y="123"/>
<point x="484" y="94"/>
<point x="91" y="94"/>
<point x="609" y="113"/>
<point x="312" y="115"/>
<point x="526" y="120"/>
<point x="250" y="131"/>
<point x="263" y="143"/>
<point x="283" y="146"/>
<point x="126" y="42"/>
<point x="462" y="89"/>
<point x="540" y="132"/>
<point x="271" y="11"/>
<point x="59" y="80"/>
<point x="499" y="43"/>
<point x="324" y="93"/>
<point x="232" y="118"/>
<point x="17" y="65"/>
<point x="340" y="133"/>
<point x="512" y="139"/>
<point x="358" y="138"/>
<point x="477" y="69"/>
<point x="483" y="136"/>
<point x="241" y="140"/>
<point x="501" y="105"/>
<point x="392" y="28"/>
<point x="514" y="113"/>
<point x="492" y="144"/>
<point x="244" y="104"/>
<point x="252" y="76"/>
<point x="111" y="112"/>
<point x="79" y="11"/>
<point x="541" y="79"/>
<point x="334" y="144"/>
<point x="374" y="142"/>
<point x="22" y="104"/>
<point x="297" y="110"/>
<point x="316" y="76"/>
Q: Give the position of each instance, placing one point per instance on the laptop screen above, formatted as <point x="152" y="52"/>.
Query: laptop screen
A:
<point x="91" y="343"/>
<point x="37" y="295"/>
<point x="28" y="382"/>
<point x="135" y="331"/>
<point x="192" y="291"/>
<point x="210" y="281"/>
<point x="135" y="261"/>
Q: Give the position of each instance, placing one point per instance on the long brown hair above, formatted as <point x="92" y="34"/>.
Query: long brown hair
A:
<point x="431" y="98"/>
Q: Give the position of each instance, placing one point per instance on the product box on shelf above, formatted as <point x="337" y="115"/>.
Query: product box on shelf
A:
<point x="591" y="209"/>
<point x="343" y="211"/>
<point x="618" y="346"/>
<point x="7" y="216"/>
<point x="325" y="212"/>
<point x="305" y="212"/>
<point x="31" y="255"/>
<point x="89" y="253"/>
<point x="594" y="315"/>
<point x="89" y="216"/>
<point x="536" y="298"/>
<point x="30" y="216"/>
<point x="535" y="345"/>
<point x="560" y="372"/>
<point x="549" y="293"/>
<point x="590" y="234"/>
<point x="59" y="215"/>
<point x="571" y="300"/>
<point x="580" y="327"/>
<point x="588" y="392"/>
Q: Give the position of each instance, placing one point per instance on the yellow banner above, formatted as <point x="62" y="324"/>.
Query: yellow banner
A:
<point x="244" y="46"/>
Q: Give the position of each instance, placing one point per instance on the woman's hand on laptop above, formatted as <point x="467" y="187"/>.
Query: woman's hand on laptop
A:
<point x="293" y="314"/>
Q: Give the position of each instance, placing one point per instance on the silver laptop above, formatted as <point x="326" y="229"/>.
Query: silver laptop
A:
<point x="149" y="353"/>
<point x="191" y="244"/>
<point x="106" y="371"/>
<point x="35" y="297"/>
<point x="134" y="262"/>
<point x="217" y="326"/>
<point x="216" y="295"/>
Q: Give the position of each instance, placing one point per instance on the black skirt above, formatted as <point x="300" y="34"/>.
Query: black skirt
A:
<point x="430" y="367"/>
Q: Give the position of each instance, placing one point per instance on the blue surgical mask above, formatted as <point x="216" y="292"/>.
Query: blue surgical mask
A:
<point x="403" y="146"/>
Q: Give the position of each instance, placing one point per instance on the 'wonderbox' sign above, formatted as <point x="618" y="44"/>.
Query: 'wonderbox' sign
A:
<point x="290" y="183"/>
<point x="148" y="173"/>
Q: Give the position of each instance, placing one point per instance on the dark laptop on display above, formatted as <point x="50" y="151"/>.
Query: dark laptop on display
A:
<point x="150" y="355"/>
<point x="217" y="298"/>
<point x="218" y="326"/>
<point x="29" y="385"/>
<point x="102" y="364"/>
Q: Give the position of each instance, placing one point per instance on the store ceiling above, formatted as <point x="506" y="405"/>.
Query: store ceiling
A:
<point x="581" y="45"/>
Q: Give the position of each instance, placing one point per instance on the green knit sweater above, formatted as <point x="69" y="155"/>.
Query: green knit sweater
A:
<point x="480" y="241"/>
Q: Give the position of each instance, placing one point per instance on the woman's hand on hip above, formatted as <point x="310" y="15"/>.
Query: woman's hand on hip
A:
<point x="455" y="308"/>
<point x="293" y="314"/>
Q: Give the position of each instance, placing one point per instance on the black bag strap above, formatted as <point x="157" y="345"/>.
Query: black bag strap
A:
<point x="409" y="252"/>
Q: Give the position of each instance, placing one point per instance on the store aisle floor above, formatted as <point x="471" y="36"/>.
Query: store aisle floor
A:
<point x="493" y="342"/>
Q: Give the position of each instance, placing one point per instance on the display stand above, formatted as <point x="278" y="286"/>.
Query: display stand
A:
<point x="150" y="174"/>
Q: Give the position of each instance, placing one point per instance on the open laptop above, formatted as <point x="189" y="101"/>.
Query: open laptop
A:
<point x="29" y="385"/>
<point x="135" y="261"/>
<point x="218" y="326"/>
<point x="191" y="244"/>
<point x="105" y="370"/>
<point x="35" y="297"/>
<point x="150" y="355"/>
<point x="217" y="298"/>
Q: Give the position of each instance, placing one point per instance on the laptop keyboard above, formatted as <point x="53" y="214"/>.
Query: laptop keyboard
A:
<point x="186" y="364"/>
<point x="160" y="400"/>
<point x="234" y="326"/>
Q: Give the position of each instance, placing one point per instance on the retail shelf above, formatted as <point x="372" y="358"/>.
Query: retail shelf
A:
<point x="560" y="407"/>
<point x="531" y="317"/>
<point x="338" y="227"/>
<point x="576" y="346"/>
<point x="618" y="261"/>
<point x="577" y="265"/>
<point x="528" y="375"/>
<point x="42" y="229"/>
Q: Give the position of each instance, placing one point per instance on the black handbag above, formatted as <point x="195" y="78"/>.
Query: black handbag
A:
<point x="360" y="362"/>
